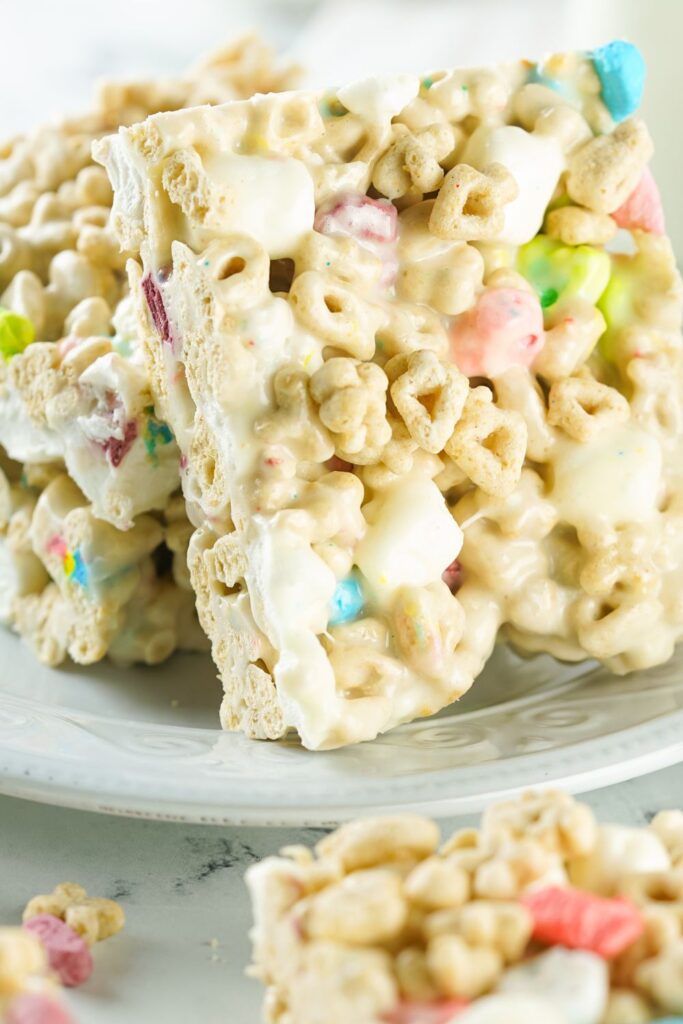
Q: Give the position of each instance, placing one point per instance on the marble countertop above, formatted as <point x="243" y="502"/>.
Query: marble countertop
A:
<point x="182" y="954"/>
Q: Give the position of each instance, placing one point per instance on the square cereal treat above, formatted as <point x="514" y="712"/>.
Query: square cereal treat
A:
<point x="541" y="915"/>
<point x="72" y="381"/>
<point x="418" y="391"/>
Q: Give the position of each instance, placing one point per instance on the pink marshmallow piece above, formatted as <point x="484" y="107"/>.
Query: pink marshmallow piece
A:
<point x="452" y="576"/>
<point x="37" y="1008"/>
<point x="643" y="209"/>
<point x="442" y="1012"/>
<point x="504" y="328"/>
<point x="358" y="216"/>
<point x="581" y="920"/>
<point x="67" y="952"/>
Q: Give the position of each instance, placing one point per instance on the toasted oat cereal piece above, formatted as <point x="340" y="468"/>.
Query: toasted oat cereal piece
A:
<point x="582" y="407"/>
<point x="488" y="443"/>
<point x="92" y="917"/>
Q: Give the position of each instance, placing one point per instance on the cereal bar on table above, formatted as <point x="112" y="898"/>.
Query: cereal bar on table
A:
<point x="539" y="916"/>
<point x="74" y="395"/>
<point x="418" y="341"/>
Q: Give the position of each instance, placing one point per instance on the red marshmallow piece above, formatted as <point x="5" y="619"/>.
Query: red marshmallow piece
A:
<point x="442" y="1012"/>
<point x="504" y="328"/>
<point x="37" y="1008"/>
<point x="358" y="216"/>
<point x="643" y="209"/>
<point x="452" y="576"/>
<point x="581" y="920"/>
<point x="68" y="953"/>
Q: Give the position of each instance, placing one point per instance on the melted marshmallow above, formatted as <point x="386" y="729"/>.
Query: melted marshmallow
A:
<point x="573" y="980"/>
<point x="411" y="539"/>
<point x="535" y="162"/>
<point x="381" y="97"/>
<point x="23" y="439"/>
<point x="615" y="478"/>
<point x="512" y="1008"/>
<point x="271" y="199"/>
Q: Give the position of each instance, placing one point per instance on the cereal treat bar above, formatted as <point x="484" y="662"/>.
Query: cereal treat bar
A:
<point x="72" y="380"/>
<point x="21" y="571"/>
<point x="417" y="394"/>
<point x="94" y="590"/>
<point x="539" y="916"/>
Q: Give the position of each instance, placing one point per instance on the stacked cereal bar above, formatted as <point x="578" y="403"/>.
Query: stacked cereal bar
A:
<point x="90" y="521"/>
<point x="418" y="341"/>
<point x="540" y="916"/>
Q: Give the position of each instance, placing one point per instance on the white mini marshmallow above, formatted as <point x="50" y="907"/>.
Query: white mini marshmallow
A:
<point x="381" y="97"/>
<point x="535" y="162"/>
<point x="411" y="539"/>
<point x="511" y="1008"/>
<point x="575" y="982"/>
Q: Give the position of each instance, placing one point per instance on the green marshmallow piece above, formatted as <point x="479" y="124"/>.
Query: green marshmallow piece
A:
<point x="616" y="305"/>
<point x="559" y="271"/>
<point x="16" y="332"/>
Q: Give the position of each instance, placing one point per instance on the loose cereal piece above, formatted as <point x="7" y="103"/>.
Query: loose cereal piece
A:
<point x="94" y="918"/>
<point x="580" y="921"/>
<point x="67" y="951"/>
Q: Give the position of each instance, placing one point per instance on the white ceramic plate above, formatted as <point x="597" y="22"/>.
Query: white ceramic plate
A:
<point x="143" y="742"/>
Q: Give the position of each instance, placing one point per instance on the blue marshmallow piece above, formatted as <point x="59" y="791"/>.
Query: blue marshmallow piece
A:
<point x="347" y="601"/>
<point x="621" y="69"/>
